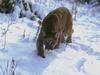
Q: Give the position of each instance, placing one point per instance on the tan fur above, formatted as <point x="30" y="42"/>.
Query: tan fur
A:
<point x="55" y="27"/>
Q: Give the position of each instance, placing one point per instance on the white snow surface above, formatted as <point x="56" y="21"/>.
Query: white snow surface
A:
<point x="81" y="57"/>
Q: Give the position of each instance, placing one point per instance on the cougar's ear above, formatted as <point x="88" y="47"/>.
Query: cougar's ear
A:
<point x="40" y="22"/>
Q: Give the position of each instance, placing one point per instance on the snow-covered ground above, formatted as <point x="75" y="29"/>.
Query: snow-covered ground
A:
<point x="81" y="57"/>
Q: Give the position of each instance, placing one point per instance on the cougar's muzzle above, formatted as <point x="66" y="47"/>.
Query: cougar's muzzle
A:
<point x="49" y="44"/>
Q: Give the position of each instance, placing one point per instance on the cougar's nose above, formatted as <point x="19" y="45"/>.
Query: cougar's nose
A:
<point x="49" y="41"/>
<point x="49" y="44"/>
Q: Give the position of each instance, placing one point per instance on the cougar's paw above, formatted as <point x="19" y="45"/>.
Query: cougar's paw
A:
<point x="41" y="55"/>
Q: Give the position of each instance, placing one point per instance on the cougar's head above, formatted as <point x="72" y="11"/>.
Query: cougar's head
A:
<point x="50" y="40"/>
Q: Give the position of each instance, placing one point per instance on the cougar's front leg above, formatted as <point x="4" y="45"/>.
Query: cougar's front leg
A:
<point x="40" y="48"/>
<point x="69" y="38"/>
<point x="62" y="38"/>
<point x="57" y="44"/>
<point x="58" y="41"/>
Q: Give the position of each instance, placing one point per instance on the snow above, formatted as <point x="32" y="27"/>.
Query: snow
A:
<point x="81" y="57"/>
